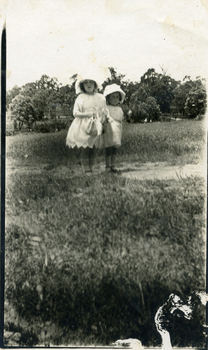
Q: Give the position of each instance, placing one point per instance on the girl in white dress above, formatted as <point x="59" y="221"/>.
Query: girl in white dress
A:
<point x="88" y="103"/>
<point x="113" y="130"/>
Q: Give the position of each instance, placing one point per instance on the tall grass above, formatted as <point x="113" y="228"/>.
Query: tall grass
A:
<point x="93" y="259"/>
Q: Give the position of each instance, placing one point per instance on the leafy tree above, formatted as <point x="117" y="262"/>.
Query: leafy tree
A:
<point x="12" y="94"/>
<point x="29" y="89"/>
<point x="154" y="93"/>
<point x="180" y="96"/>
<point x="23" y="109"/>
<point x="47" y="83"/>
<point x="153" y="109"/>
<point x="164" y="92"/>
<point x="129" y="88"/>
<point x="140" y="95"/>
<point x="45" y="93"/>
<point x="159" y="86"/>
<point x="149" y="110"/>
<point x="40" y="102"/>
<point x="190" y="97"/>
<point x="139" y="112"/>
<point x="148" y="80"/>
<point x="42" y="92"/>
<point x="54" y="99"/>
<point x="69" y="94"/>
<point x="196" y="101"/>
<point x="115" y="78"/>
<point x="174" y="108"/>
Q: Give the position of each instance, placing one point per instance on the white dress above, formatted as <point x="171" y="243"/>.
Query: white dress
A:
<point x="76" y="135"/>
<point x="113" y="130"/>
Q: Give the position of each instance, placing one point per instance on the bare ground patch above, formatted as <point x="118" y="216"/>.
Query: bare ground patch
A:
<point x="134" y="170"/>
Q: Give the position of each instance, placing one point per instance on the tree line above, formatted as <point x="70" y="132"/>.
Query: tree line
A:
<point x="155" y="94"/>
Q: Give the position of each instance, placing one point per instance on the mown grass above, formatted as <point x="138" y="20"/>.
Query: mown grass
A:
<point x="171" y="142"/>
<point x="176" y="142"/>
<point x="89" y="261"/>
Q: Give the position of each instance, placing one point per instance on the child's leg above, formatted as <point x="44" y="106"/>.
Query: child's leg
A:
<point x="113" y="157"/>
<point x="85" y="158"/>
<point x="91" y="158"/>
<point x="108" y="157"/>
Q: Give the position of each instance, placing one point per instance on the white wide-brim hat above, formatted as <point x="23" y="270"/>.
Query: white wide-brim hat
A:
<point x="81" y="79"/>
<point x="109" y="89"/>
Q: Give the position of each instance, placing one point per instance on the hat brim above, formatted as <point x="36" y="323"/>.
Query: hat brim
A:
<point x="108" y="92"/>
<point x="79" y="81"/>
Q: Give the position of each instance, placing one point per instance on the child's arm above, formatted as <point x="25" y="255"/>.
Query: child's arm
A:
<point x="83" y="114"/>
<point x="109" y="119"/>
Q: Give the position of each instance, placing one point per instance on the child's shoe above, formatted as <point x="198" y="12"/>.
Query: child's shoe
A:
<point x="88" y="172"/>
<point x="115" y="170"/>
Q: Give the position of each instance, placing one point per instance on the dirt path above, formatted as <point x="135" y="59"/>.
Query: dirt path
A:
<point x="151" y="171"/>
<point x="162" y="171"/>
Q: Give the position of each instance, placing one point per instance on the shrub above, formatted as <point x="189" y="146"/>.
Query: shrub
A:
<point x="50" y="126"/>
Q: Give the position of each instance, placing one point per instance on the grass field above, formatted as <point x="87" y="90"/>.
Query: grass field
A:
<point x="90" y="260"/>
<point x="182" y="141"/>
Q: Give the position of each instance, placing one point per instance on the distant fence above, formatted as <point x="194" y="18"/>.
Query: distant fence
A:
<point x="57" y="111"/>
<point x="171" y="117"/>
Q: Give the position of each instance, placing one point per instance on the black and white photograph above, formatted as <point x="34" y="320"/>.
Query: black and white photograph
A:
<point x="105" y="174"/>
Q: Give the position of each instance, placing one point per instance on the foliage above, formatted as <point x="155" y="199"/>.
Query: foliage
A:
<point x="153" y="109"/>
<point x="148" y="110"/>
<point x="115" y="78"/>
<point x="190" y="97"/>
<point x="23" y="108"/>
<point x="170" y="95"/>
<point x="140" y="95"/>
<point x="159" y="86"/>
<point x="180" y="95"/>
<point x="50" y="126"/>
<point x="47" y="83"/>
<point x="12" y="94"/>
<point x="69" y="95"/>
<point x="152" y="85"/>
<point x="40" y="102"/>
<point x="139" y="112"/>
<point x="164" y="94"/>
<point x="45" y="94"/>
<point x="47" y="91"/>
<point x="196" y="102"/>
<point x="29" y="89"/>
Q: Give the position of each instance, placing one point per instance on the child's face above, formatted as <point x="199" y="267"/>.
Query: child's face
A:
<point x="114" y="98"/>
<point x="89" y="86"/>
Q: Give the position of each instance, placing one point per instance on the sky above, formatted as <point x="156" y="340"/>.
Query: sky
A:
<point x="60" y="38"/>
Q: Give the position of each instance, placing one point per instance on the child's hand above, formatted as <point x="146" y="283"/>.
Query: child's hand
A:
<point x="104" y="126"/>
<point x="110" y="119"/>
<point x="92" y="114"/>
<point x="105" y="112"/>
